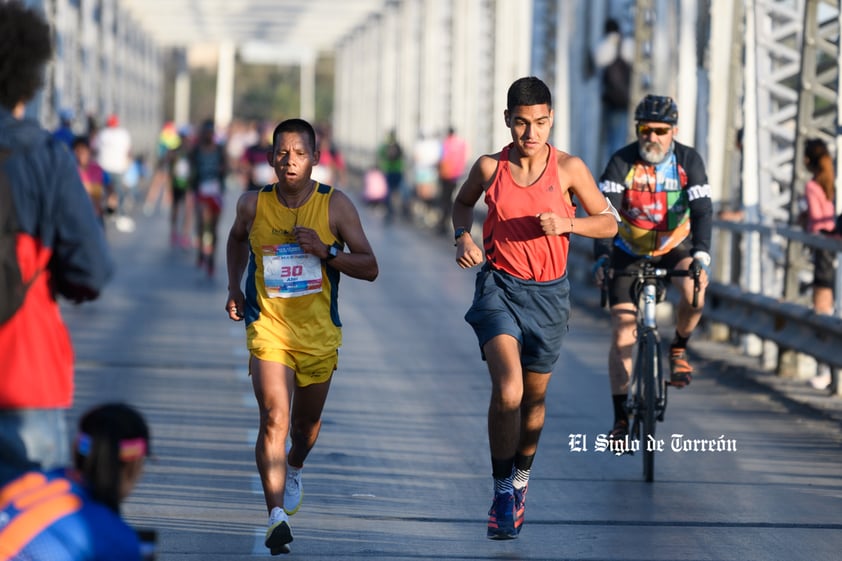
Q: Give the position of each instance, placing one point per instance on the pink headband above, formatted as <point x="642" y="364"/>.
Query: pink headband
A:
<point x="130" y="449"/>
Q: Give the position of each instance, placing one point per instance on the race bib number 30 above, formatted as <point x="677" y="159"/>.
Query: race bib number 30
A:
<point x="288" y="272"/>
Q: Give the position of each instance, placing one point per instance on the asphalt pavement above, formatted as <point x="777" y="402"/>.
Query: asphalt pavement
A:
<point x="401" y="469"/>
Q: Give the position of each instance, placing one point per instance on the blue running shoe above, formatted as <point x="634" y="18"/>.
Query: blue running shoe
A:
<point x="501" y="518"/>
<point x="520" y="507"/>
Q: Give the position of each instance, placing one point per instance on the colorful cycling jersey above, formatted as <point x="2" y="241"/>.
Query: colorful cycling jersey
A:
<point x="51" y="516"/>
<point x="660" y="205"/>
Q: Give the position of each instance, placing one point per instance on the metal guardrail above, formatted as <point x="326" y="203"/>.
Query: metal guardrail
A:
<point x="793" y="327"/>
<point x="790" y="326"/>
<point x="830" y="243"/>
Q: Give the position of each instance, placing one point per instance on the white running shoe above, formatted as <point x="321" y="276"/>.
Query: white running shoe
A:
<point x="293" y="490"/>
<point x="821" y="381"/>
<point x="124" y="224"/>
<point x="278" y="534"/>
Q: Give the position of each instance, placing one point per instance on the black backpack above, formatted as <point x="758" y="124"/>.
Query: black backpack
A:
<point x="12" y="286"/>
<point x="616" y="83"/>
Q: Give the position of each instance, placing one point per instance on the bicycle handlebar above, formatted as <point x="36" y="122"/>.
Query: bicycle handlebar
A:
<point x="649" y="272"/>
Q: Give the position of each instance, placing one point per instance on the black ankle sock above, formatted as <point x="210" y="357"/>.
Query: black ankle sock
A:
<point x="679" y="342"/>
<point x="524" y="462"/>
<point x="619" y="401"/>
<point x="502" y="469"/>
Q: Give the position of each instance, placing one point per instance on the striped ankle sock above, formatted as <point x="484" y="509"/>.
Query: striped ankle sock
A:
<point x="503" y="485"/>
<point x="521" y="478"/>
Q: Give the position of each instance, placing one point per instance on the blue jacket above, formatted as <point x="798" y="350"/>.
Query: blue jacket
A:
<point x="61" y="245"/>
<point x="52" y="516"/>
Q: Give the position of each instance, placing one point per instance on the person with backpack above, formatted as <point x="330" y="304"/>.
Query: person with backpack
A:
<point x="613" y="57"/>
<point x="51" y="243"/>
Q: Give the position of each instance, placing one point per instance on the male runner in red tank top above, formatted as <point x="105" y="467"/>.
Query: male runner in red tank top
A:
<point x="522" y="299"/>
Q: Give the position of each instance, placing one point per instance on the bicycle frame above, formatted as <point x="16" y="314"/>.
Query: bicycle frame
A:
<point x="647" y="394"/>
<point x="646" y="401"/>
<point x="649" y="343"/>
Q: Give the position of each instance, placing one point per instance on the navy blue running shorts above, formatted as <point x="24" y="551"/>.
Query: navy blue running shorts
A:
<point x="535" y="313"/>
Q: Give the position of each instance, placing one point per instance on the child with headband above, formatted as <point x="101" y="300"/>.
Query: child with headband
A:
<point x="73" y="514"/>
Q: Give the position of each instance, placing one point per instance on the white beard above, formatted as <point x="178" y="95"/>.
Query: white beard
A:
<point x="653" y="153"/>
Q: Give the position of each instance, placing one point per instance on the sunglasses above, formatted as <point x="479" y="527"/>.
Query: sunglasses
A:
<point x="645" y="131"/>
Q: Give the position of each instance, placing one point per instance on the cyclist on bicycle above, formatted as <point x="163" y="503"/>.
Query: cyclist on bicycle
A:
<point x="661" y="190"/>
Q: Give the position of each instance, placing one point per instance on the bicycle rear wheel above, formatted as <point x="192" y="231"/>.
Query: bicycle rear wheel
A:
<point x="648" y="360"/>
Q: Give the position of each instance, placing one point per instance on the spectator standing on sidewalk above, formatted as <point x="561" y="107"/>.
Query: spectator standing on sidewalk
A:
<point x="93" y="177"/>
<point x="73" y="513"/>
<point x="64" y="131"/>
<point x="113" y="146"/>
<point x="391" y="161"/>
<point x="454" y="157"/>
<point x="820" y="192"/>
<point x="613" y="57"/>
<point x="57" y="245"/>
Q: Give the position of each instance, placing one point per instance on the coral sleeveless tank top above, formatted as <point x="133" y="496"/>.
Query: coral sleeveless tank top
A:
<point x="512" y="235"/>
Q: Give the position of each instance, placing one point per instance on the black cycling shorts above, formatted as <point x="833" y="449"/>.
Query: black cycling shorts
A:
<point x="824" y="273"/>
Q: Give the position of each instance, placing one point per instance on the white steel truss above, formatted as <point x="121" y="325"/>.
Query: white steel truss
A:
<point x="817" y="109"/>
<point x="817" y="117"/>
<point x="773" y="54"/>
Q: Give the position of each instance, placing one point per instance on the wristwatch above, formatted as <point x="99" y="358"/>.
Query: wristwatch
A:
<point x="332" y="251"/>
<point x="460" y="232"/>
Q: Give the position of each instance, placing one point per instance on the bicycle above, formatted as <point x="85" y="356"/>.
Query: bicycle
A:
<point x="647" y="394"/>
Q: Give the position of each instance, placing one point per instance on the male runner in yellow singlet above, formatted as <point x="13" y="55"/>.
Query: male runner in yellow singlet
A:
<point x="296" y="236"/>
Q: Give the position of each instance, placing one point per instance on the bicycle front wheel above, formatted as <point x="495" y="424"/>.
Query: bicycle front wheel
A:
<point x="648" y="359"/>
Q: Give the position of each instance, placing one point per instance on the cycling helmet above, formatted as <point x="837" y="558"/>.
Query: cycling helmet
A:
<point x="657" y="108"/>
